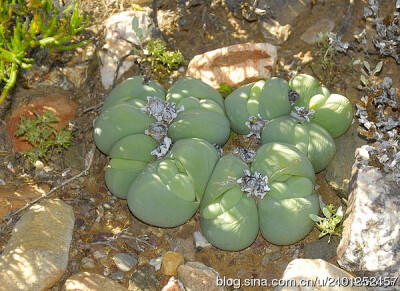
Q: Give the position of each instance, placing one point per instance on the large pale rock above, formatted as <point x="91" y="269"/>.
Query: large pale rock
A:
<point x="370" y="244"/>
<point x="86" y="281"/>
<point x="197" y="276"/>
<point x="315" y="275"/>
<point x="234" y="65"/>
<point x="338" y="171"/>
<point x="119" y="35"/>
<point x="12" y="199"/>
<point x="36" y="255"/>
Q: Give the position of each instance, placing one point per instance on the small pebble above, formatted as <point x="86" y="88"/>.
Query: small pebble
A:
<point x="106" y="271"/>
<point x="117" y="275"/>
<point x="125" y="261"/>
<point x="156" y="263"/>
<point x="88" y="263"/>
<point x="2" y="182"/>
<point x="170" y="262"/>
<point x="173" y="285"/>
<point x="98" y="255"/>
<point x="200" y="240"/>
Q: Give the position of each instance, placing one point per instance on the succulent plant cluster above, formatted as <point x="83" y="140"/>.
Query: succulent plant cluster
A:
<point x="166" y="158"/>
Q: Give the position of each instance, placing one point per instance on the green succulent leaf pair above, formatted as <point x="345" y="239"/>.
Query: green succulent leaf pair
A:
<point x="333" y="112"/>
<point x="125" y="118"/>
<point x="231" y="220"/>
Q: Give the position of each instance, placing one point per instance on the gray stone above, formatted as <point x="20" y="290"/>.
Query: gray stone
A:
<point x="117" y="275"/>
<point x="324" y="25"/>
<point x="338" y="171"/>
<point x="88" y="263"/>
<point x="86" y="281"/>
<point x="313" y="274"/>
<point x="144" y="278"/>
<point x="321" y="249"/>
<point x="36" y="256"/>
<point x="184" y="247"/>
<point x="125" y="262"/>
<point x="200" y="240"/>
<point x="370" y="244"/>
<point x="270" y="258"/>
<point x="197" y="276"/>
<point x="282" y="17"/>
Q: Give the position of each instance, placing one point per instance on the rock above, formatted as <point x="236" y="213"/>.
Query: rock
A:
<point x="338" y="171"/>
<point x="321" y="249"/>
<point x="60" y="104"/>
<point x="322" y="26"/>
<point x="282" y="16"/>
<point x="270" y="258"/>
<point x="170" y="262"/>
<point x="117" y="275"/>
<point x="197" y="276"/>
<point x="200" y="240"/>
<point x="36" y="256"/>
<point x="235" y="65"/>
<point x="11" y="200"/>
<point x="184" y="247"/>
<point x="144" y="278"/>
<point x="173" y="285"/>
<point x="125" y="262"/>
<point x="314" y="273"/>
<point x="88" y="263"/>
<point x="370" y="242"/>
<point x="118" y="29"/>
<point x="156" y="263"/>
<point x="86" y="281"/>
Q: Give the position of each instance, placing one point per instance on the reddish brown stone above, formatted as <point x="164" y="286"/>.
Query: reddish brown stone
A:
<point x="62" y="107"/>
<point x="234" y="65"/>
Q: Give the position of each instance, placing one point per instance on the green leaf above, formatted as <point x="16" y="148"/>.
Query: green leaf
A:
<point x="315" y="218"/>
<point x="326" y="212"/>
<point x="378" y="68"/>
<point x="135" y="26"/>
<point x="367" y="65"/>
<point x="364" y="80"/>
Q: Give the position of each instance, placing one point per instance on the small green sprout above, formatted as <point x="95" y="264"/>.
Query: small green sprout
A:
<point x="44" y="138"/>
<point x="366" y="77"/>
<point x="224" y="89"/>
<point x="332" y="222"/>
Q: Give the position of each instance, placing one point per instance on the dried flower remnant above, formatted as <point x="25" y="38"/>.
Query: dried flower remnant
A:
<point x="161" y="110"/>
<point x="256" y="125"/>
<point x="293" y="97"/>
<point x="387" y="37"/>
<point x="162" y="148"/>
<point x="219" y="149"/>
<point x="337" y="44"/>
<point x="157" y="130"/>
<point x="255" y="185"/>
<point x="302" y="113"/>
<point x="246" y="155"/>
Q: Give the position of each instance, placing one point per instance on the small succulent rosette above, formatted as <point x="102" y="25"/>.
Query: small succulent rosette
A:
<point x="203" y="115"/>
<point x="264" y="99"/>
<point x="168" y="191"/>
<point x="122" y="113"/>
<point x="309" y="137"/>
<point x="333" y="112"/>
<point x="275" y="195"/>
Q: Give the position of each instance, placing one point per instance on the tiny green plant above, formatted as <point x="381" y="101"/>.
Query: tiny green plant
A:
<point x="367" y="76"/>
<point x="328" y="67"/>
<point x="224" y="89"/>
<point x="42" y="135"/>
<point x="331" y="224"/>
<point x="154" y="52"/>
<point x="27" y="24"/>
